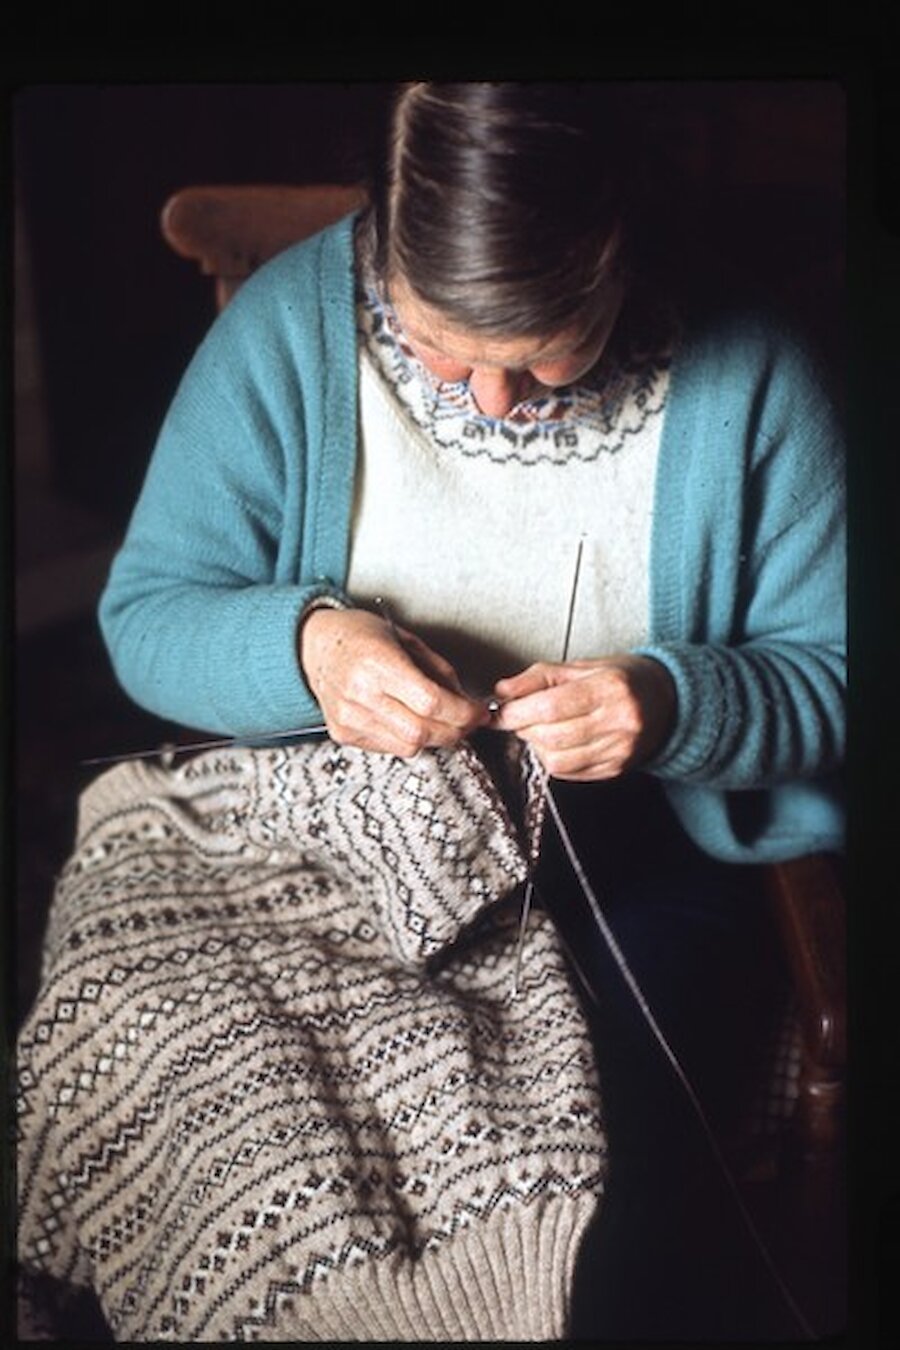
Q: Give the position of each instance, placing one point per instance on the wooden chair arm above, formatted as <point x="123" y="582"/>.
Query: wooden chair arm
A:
<point x="810" y="911"/>
<point x="231" y="229"/>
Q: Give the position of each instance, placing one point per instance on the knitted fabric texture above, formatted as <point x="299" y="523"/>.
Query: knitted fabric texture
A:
<point x="275" y="1086"/>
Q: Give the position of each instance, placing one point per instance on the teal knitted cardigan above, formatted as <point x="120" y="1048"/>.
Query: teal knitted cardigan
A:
<point x="244" y="516"/>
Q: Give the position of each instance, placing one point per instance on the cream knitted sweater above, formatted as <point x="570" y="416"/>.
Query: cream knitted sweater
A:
<point x="275" y="1085"/>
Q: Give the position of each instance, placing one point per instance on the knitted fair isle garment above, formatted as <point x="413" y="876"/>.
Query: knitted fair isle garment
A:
<point x="275" y="1086"/>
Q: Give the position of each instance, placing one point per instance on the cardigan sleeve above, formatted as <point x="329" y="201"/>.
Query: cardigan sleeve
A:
<point x="243" y="515"/>
<point x="750" y="597"/>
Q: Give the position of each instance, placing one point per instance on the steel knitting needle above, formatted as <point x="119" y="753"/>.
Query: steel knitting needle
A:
<point x="491" y="704"/>
<point x="168" y="750"/>
<point x="647" y="1013"/>
<point x="529" y="884"/>
<point x="386" y="613"/>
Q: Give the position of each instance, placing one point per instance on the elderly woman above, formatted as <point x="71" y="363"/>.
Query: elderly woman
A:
<point x="456" y="480"/>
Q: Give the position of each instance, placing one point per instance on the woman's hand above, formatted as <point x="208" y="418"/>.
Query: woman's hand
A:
<point x="380" y="687"/>
<point x="589" y="720"/>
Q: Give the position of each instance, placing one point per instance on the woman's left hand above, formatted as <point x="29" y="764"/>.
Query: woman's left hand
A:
<point x="589" y="720"/>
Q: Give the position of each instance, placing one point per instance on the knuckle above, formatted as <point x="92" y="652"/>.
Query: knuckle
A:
<point x="551" y="740"/>
<point x="340" y="716"/>
<point x="410" y="746"/>
<point x="428" y="702"/>
<point x="554" y="761"/>
<point x="337" y="731"/>
<point x="411" y="739"/>
<point x="631" y="719"/>
<point x="360" y="687"/>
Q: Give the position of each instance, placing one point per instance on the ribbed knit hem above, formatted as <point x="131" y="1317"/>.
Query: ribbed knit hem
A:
<point x="504" y="1278"/>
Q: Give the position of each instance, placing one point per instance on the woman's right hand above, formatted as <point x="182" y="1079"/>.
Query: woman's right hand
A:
<point x="380" y="687"/>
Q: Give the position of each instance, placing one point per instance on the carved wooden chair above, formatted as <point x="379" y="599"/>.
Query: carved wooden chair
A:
<point x="229" y="231"/>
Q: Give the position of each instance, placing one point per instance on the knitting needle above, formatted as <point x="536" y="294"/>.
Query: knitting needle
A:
<point x="168" y="750"/>
<point x="529" y="884"/>
<point x="492" y="704"/>
<point x="387" y="614"/>
<point x="674" y="1062"/>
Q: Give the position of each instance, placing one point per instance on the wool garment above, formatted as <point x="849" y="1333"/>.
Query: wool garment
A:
<point x="276" y="1086"/>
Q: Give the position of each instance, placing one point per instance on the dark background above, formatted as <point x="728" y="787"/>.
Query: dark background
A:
<point x="118" y="315"/>
<point x="106" y="317"/>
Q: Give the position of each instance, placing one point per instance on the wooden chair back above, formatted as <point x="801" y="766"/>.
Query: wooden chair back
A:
<point x="230" y="229"/>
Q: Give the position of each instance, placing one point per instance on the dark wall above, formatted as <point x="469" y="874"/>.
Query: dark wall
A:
<point x="758" y="169"/>
<point x="119" y="314"/>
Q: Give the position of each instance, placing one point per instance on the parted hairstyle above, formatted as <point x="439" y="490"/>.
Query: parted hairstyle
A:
<point x="508" y="206"/>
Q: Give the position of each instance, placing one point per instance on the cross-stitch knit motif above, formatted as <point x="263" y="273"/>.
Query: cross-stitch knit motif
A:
<point x="275" y="1086"/>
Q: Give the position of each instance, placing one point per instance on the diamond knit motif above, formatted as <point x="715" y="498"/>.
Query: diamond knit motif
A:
<point x="275" y="1086"/>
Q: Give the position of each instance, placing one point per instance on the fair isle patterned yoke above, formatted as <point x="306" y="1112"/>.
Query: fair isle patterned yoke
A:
<point x="600" y="414"/>
<point x="275" y="1087"/>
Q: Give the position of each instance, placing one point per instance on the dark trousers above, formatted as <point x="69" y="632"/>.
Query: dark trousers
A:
<point x="669" y="1257"/>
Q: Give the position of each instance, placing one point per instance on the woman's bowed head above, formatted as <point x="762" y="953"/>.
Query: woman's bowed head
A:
<point x="505" y="266"/>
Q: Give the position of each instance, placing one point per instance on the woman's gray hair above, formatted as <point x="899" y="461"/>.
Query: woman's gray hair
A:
<point x="509" y="206"/>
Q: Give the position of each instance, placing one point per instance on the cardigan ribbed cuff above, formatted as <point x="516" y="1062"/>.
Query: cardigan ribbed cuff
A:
<point x="702" y="706"/>
<point x="269" y="628"/>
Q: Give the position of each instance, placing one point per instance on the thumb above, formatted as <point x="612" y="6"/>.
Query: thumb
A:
<point x="532" y="680"/>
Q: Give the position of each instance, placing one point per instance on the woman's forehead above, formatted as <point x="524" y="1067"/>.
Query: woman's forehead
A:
<point x="424" y="324"/>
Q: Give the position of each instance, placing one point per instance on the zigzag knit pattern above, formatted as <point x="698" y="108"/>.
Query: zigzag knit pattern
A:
<point x="275" y="1085"/>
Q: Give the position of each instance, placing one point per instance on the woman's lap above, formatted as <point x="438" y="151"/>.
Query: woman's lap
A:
<point x="695" y="932"/>
<point x="669" y="1255"/>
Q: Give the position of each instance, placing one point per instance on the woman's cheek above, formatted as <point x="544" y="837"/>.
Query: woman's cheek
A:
<point x="562" y="373"/>
<point x="439" y="366"/>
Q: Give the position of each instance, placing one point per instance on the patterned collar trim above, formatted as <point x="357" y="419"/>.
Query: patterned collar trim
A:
<point x="611" y="404"/>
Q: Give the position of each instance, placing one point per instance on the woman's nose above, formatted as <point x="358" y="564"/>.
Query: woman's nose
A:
<point x="496" y="390"/>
